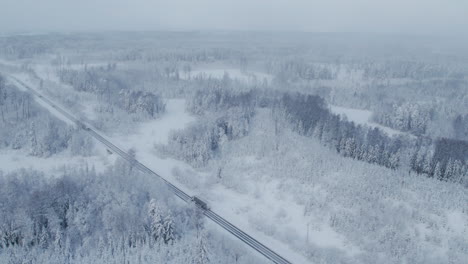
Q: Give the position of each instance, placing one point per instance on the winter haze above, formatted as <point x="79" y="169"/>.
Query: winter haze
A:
<point x="429" y="17"/>
<point x="234" y="132"/>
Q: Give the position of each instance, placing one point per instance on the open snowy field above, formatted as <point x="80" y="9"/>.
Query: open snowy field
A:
<point x="236" y="207"/>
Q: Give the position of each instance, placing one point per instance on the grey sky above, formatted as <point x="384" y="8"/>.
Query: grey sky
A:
<point x="395" y="16"/>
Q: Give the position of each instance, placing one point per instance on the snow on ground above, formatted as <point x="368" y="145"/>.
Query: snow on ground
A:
<point x="157" y="131"/>
<point x="363" y="117"/>
<point x="243" y="76"/>
<point x="457" y="221"/>
<point x="154" y="132"/>
<point x="243" y="210"/>
<point x="8" y="62"/>
<point x="268" y="214"/>
<point x="46" y="72"/>
<point x="12" y="160"/>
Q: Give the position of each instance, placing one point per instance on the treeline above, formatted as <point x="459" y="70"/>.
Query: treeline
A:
<point x="446" y="160"/>
<point x="14" y="105"/>
<point x="200" y="142"/>
<point x="408" y="69"/>
<point x="116" y="216"/>
<point x="217" y="99"/>
<point x="79" y="208"/>
<point x="407" y="117"/>
<point x="298" y="70"/>
<point x="25" y="47"/>
<point x="143" y="102"/>
<point x="310" y="117"/>
<point x="113" y="89"/>
<point x="226" y="115"/>
<point x="194" y="55"/>
<point x="416" y="111"/>
<point x="26" y="126"/>
<point x="460" y="127"/>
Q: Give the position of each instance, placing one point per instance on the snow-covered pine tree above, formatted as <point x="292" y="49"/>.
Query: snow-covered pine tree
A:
<point x="169" y="235"/>
<point x="449" y="169"/>
<point x="394" y="160"/>
<point x="34" y="147"/>
<point x="200" y="254"/>
<point x="44" y="238"/>
<point x="438" y="174"/>
<point x="3" y="97"/>
<point x="156" y="221"/>
<point x="427" y="164"/>
<point x="58" y="241"/>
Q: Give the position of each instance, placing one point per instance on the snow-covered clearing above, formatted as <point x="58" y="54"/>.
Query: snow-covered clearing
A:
<point x="157" y="131"/>
<point x="149" y="133"/>
<point x="275" y="219"/>
<point x="457" y="221"/>
<point x="362" y="117"/>
<point x="46" y="72"/>
<point x="243" y="210"/>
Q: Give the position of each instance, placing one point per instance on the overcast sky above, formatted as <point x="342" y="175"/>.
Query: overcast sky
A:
<point x="429" y="17"/>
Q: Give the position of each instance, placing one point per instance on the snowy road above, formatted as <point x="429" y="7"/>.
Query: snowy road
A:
<point x="226" y="225"/>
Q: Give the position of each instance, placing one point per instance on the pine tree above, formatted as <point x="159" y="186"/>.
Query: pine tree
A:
<point x="156" y="221"/>
<point x="350" y="148"/>
<point x="438" y="171"/>
<point x="457" y="171"/>
<point x="3" y="97"/>
<point x="169" y="231"/>
<point x="449" y="169"/>
<point x="413" y="161"/>
<point x="101" y="247"/>
<point x="58" y="242"/>
<point x="44" y="239"/>
<point x="394" y="160"/>
<point x="427" y="168"/>
<point x="33" y="140"/>
<point x="201" y="254"/>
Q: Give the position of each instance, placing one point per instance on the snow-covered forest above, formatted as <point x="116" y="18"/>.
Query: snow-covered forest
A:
<point x="327" y="148"/>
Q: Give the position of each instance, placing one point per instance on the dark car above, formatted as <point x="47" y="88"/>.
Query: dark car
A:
<point x="200" y="203"/>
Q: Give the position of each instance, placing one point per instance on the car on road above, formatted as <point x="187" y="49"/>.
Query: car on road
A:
<point x="200" y="203"/>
